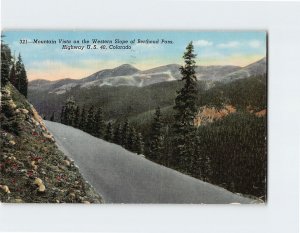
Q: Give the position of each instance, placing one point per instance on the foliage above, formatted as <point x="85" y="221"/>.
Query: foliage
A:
<point x="5" y="63"/>
<point x="156" y="139"/>
<point x="185" y="107"/>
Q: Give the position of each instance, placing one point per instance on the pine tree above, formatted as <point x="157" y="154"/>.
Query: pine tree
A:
<point x="156" y="138"/>
<point x="68" y="112"/>
<point x="90" y="122"/>
<point x="52" y="117"/>
<point x="77" y="117"/>
<point x="185" y="107"/>
<point x="5" y="63"/>
<point x="24" y="82"/>
<point x="62" y="115"/>
<point x="83" y="120"/>
<point x="139" y="144"/>
<point x="12" y="75"/>
<point x="21" y="77"/>
<point x="118" y="134"/>
<point x="131" y="140"/>
<point x="125" y="134"/>
<point x="109" y="132"/>
<point x="100" y="126"/>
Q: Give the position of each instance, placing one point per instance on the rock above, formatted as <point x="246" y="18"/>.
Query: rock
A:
<point x="5" y="188"/>
<point x="38" y="181"/>
<point x="67" y="163"/>
<point x="23" y="110"/>
<point x="47" y="136"/>
<point x="34" y="166"/>
<point x="12" y="104"/>
<point x="86" y="202"/>
<point x="12" y="142"/>
<point x="72" y="195"/>
<point x="12" y="158"/>
<point x="18" y="200"/>
<point x="42" y="188"/>
<point x="17" y="111"/>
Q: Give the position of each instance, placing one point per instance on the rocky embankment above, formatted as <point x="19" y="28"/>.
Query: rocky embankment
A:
<point x="32" y="168"/>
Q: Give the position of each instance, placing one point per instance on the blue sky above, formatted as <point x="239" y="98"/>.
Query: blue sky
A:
<point x="212" y="48"/>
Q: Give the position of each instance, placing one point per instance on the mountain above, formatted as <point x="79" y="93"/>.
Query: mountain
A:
<point x="127" y="75"/>
<point x="32" y="168"/>
<point x="122" y="70"/>
<point x="254" y="69"/>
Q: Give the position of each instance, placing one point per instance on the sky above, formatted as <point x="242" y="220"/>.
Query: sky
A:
<point x="51" y="62"/>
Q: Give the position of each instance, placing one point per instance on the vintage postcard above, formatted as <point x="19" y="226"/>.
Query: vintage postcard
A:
<point x="133" y="117"/>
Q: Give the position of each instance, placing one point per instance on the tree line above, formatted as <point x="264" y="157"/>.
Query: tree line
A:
<point x="13" y="70"/>
<point x="92" y="121"/>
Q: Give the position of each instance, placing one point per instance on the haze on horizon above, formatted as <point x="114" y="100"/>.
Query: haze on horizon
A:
<point x="50" y="62"/>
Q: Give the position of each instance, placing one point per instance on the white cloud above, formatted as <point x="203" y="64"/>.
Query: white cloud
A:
<point x="203" y="43"/>
<point x="254" y="43"/>
<point x="230" y="44"/>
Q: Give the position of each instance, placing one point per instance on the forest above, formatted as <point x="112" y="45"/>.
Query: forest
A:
<point x="229" y="150"/>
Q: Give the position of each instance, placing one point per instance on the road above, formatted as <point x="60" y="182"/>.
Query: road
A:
<point x="124" y="177"/>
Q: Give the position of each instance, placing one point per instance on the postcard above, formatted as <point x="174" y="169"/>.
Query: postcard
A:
<point x="153" y="117"/>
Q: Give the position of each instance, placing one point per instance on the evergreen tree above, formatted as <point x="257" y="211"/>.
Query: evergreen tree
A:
<point x="5" y="63"/>
<point x="139" y="144"/>
<point x="62" y="115"/>
<point x="131" y="140"/>
<point x="109" y="132"/>
<point x="118" y="134"/>
<point x="77" y="117"/>
<point x="12" y="75"/>
<point x="156" y="138"/>
<point x="185" y="107"/>
<point x="24" y="82"/>
<point x="83" y="120"/>
<point x="125" y="134"/>
<point x="100" y="126"/>
<point x="69" y="112"/>
<point x="90" y="122"/>
<point x="21" y="77"/>
<point x="52" y="117"/>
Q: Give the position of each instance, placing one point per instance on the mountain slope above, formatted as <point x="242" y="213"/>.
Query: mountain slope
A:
<point x="32" y="168"/>
<point x="254" y="69"/>
<point x="124" y="177"/>
<point x="127" y="75"/>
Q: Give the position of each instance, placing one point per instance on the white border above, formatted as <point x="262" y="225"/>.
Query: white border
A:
<point x="281" y="214"/>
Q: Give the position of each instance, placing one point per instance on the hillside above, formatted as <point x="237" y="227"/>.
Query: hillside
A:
<point x="127" y="75"/>
<point x="32" y="168"/>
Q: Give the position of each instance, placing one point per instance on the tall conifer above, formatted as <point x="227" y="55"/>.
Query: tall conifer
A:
<point x="100" y="126"/>
<point x="156" y="137"/>
<point x="185" y="107"/>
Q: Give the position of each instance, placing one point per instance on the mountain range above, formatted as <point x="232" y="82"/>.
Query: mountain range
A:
<point x="127" y="75"/>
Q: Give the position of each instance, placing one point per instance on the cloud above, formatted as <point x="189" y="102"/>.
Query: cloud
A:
<point x="254" y="43"/>
<point x="203" y="43"/>
<point x="237" y="44"/>
<point x="230" y="44"/>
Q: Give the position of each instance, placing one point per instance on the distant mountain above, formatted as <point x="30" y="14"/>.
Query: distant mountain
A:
<point x="257" y="68"/>
<point x="127" y="75"/>
<point x="122" y="70"/>
<point x="46" y="85"/>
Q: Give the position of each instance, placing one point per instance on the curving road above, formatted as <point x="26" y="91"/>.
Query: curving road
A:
<point x="124" y="177"/>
